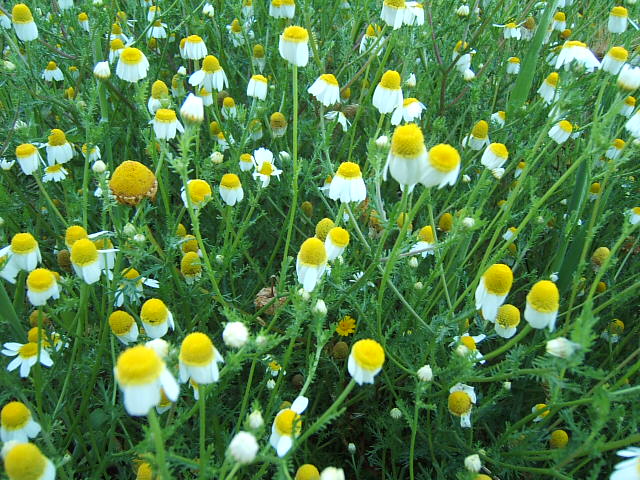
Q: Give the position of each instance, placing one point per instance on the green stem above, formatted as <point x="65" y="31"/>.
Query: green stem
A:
<point x="156" y="432"/>
<point x="202" y="390"/>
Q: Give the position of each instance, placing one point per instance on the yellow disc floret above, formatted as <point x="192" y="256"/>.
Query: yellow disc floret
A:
<point x="138" y="365"/>
<point x="131" y="181"/>
<point x="84" y="252"/>
<point x="159" y="89"/>
<point x="25" y="462"/>
<point x="25" y="150"/>
<point x="312" y="252"/>
<point x="600" y="255"/>
<point x="57" y="138"/>
<point x="190" y="264"/>
<point x="21" y="14"/>
<point x="28" y="350"/>
<point x="120" y="322"/>
<point x="426" y="234"/>
<point x="307" y="472"/>
<point x="329" y="79"/>
<point x="154" y="311"/>
<point x="407" y="141"/>
<point x="166" y="115"/>
<point x="131" y="56"/>
<point x="499" y="150"/>
<point x="199" y="190"/>
<point x="349" y="170"/>
<point x="558" y="439"/>
<point x="459" y="403"/>
<point x="285" y="422"/>
<point x="295" y="34"/>
<point x="368" y="354"/>
<point x="14" y="416"/>
<point x="498" y="279"/>
<point x="469" y="342"/>
<point x="339" y="236"/>
<point x="508" y="316"/>
<point x="390" y="80"/>
<point x="323" y="227"/>
<point x="552" y="79"/>
<point x="619" y="53"/>
<point x="444" y="158"/>
<point x="544" y="297"/>
<point x="480" y="130"/>
<point x="232" y="181"/>
<point x="197" y="350"/>
<point x="277" y="120"/>
<point x="40" y="280"/>
<point x="23" y="243"/>
<point x="73" y="234"/>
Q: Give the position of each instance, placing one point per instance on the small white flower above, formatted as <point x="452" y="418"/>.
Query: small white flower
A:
<point x="562" y="347"/>
<point x="425" y="373"/>
<point x="235" y="334"/>
<point x="472" y="463"/>
<point x="243" y="448"/>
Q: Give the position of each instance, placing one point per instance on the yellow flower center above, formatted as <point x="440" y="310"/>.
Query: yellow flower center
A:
<point x="312" y="252"/>
<point x="307" y="472"/>
<point x="23" y="243"/>
<point x="619" y="12"/>
<point x="190" y="244"/>
<point x="600" y="255"/>
<point x="131" y="56"/>
<point x="499" y="150"/>
<point x="277" y="120"/>
<point x="159" y="89"/>
<point x="630" y="101"/>
<point x="154" y="311"/>
<point x="426" y="234"/>
<point x="229" y="102"/>
<point x="323" y="227"/>
<point x="73" y="234"/>
<point x="373" y="30"/>
<point x="194" y="39"/>
<point x="197" y="349"/>
<point x="574" y="44"/>
<point x="349" y="170"/>
<point x="407" y="141"/>
<point x="266" y="169"/>
<point x="40" y="280"/>
<point x="395" y="3"/>
<point x="285" y="422"/>
<point x="511" y="25"/>
<point x="636" y="210"/>
<point x="339" y="237"/>
<point x="552" y="79"/>
<point x="144" y="470"/>
<point x="541" y="406"/>
<point x="116" y="44"/>
<point x="616" y="327"/>
<point x="130" y="273"/>
<point x="21" y="14"/>
<point x="460" y="46"/>
<point x="468" y="342"/>
<point x="232" y="181"/>
<point x="51" y="66"/>
<point x="446" y="222"/>
<point x="514" y="60"/>
<point x="508" y="316"/>
<point x="165" y="115"/>
<point x="25" y="462"/>
<point x="459" y="403"/>
<point x="258" y="51"/>
<point x="84" y="252"/>
<point x="190" y="264"/>
<point x="25" y="150"/>
<point x="480" y="130"/>
<point x="57" y="138"/>
<point x="246" y="158"/>
<point x="544" y="297"/>
<point x="498" y="279"/>
<point x="115" y="29"/>
<point x="329" y="79"/>
<point x="559" y="17"/>
<point x="28" y="350"/>
<point x="619" y="144"/>
<point x="391" y="79"/>
<point x="368" y="354"/>
<point x="15" y="415"/>
<point x="199" y="191"/>
<point x="83" y="17"/>
<point x="131" y="179"/>
<point x="565" y="126"/>
<point x="295" y="34"/>
<point x="619" y="53"/>
<point x="559" y="439"/>
<point x="235" y="26"/>
<point x="444" y="158"/>
<point x="120" y="322"/>
<point x="138" y="365"/>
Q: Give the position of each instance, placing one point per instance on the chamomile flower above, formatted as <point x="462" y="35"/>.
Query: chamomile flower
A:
<point x="133" y="290"/>
<point x="246" y="162"/>
<point x="335" y="243"/>
<point x="165" y="124"/>
<point x="102" y="70"/>
<point x="41" y="286"/>
<point x="282" y="8"/>
<point x="264" y="166"/>
<point x="426" y="243"/>
<point x="17" y="423"/>
<point x="615" y="150"/>
<point x="278" y="124"/>
<point x="229" y="109"/>
<point x="388" y="93"/>
<point x="25" y="461"/>
<point x="494" y="156"/>
<point x="479" y="136"/>
<point x="132" y="65"/>
<point x="347" y="185"/>
<point x="235" y="33"/>
<point x="294" y="45"/>
<point x="542" y="305"/>
<point x="86" y="260"/>
<point x="23" y="253"/>
<point x="247" y="9"/>
<point x="124" y="327"/>
<point x="506" y="321"/>
<point x="199" y="194"/>
<point x="618" y="19"/>
<point x="59" y="150"/>
<point x="634" y="215"/>
<point x="629" y="78"/>
<point x="408" y="159"/>
<point x="307" y="472"/>
<point x="231" y="189"/>
<point x="614" y="60"/>
<point x="157" y="30"/>
<point x="5" y="21"/>
<point x="549" y="88"/>
<point x="287" y="426"/>
<point x="311" y="263"/>
<point x="28" y="158"/>
<point x="492" y="290"/>
<point x="340" y="118"/>
<point x="632" y="125"/>
<point x="116" y="47"/>
<point x="461" y="400"/>
<point x="393" y="13"/>
<point x="462" y="60"/>
<point x="257" y="87"/>
<point x="410" y="110"/>
<point x="258" y="60"/>
<point x="52" y="73"/>
<point x="559" y="23"/>
<point x="191" y="267"/>
<point x="22" y="19"/>
<point x="325" y="89"/>
<point x="543" y="409"/>
<point x="26" y="356"/>
<point x="207" y="98"/>
<point x="141" y="374"/>
<point x="116" y="34"/>
<point x="511" y="30"/>
<point x="159" y="96"/>
<point x="156" y="318"/>
<point x="414" y="14"/>
<point x="54" y="173"/>
<point x="365" y="361"/>
<point x="561" y="131"/>
<point x="513" y="65"/>
<point x="574" y="51"/>
<point x="628" y="469"/>
<point x="443" y="166"/>
<point x="192" y="110"/>
<point x="372" y="37"/>
<point x="466" y="346"/>
<point x="195" y="48"/>
<point x="199" y="359"/>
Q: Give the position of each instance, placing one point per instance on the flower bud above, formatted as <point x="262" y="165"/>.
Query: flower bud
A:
<point x="473" y="463"/>
<point x="99" y="167"/>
